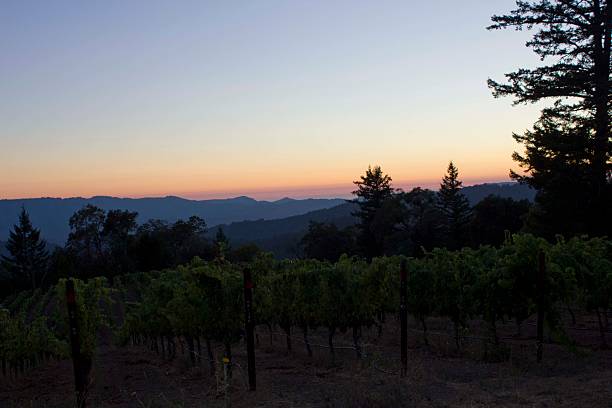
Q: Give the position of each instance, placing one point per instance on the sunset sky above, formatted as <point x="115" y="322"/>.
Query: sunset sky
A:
<point x="263" y="98"/>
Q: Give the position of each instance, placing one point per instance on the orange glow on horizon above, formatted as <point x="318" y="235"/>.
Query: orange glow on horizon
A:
<point x="329" y="188"/>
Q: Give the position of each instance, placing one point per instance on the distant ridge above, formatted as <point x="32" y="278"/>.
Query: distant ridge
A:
<point x="282" y="236"/>
<point x="513" y="190"/>
<point x="51" y="215"/>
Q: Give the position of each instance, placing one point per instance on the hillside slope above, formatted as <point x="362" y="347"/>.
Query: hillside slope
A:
<point x="282" y="236"/>
<point x="51" y="215"/>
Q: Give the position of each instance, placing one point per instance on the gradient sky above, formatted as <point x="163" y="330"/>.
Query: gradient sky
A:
<point x="266" y="98"/>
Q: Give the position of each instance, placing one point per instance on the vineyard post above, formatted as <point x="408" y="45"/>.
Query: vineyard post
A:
<point x="541" y="289"/>
<point x="403" y="318"/>
<point x="79" y="380"/>
<point x="226" y="363"/>
<point x="249" y="326"/>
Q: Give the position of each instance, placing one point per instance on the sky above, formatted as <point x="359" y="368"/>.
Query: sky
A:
<point x="206" y="99"/>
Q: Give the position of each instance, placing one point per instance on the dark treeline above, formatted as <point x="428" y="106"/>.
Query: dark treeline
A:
<point x="394" y="222"/>
<point x="391" y="221"/>
<point x="108" y="244"/>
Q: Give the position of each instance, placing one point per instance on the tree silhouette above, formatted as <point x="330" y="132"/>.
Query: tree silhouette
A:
<point x="85" y="241"/>
<point x="327" y="242"/>
<point x="372" y="191"/>
<point x="158" y="244"/>
<point x="119" y="226"/>
<point x="422" y="221"/>
<point x="27" y="262"/>
<point x="454" y="207"/>
<point x="86" y="227"/>
<point x="495" y="216"/>
<point x="560" y="158"/>
<point x="575" y="35"/>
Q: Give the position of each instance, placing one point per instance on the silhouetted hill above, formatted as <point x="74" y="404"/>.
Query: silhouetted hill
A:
<point x="51" y="215"/>
<point x="512" y="190"/>
<point x="282" y="236"/>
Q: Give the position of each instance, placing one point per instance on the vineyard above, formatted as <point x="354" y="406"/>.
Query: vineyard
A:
<point x="197" y="310"/>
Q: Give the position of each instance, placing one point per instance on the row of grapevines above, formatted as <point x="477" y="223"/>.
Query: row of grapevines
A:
<point x="35" y="326"/>
<point x="25" y="344"/>
<point x="204" y="299"/>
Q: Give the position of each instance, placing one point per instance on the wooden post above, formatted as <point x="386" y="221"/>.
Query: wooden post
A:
<point x="249" y="327"/>
<point x="541" y="296"/>
<point x="403" y="319"/>
<point x="79" y="372"/>
<point x="226" y="363"/>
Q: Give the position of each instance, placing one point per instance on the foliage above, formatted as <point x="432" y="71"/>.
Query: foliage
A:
<point x="204" y="299"/>
<point x="28" y="259"/>
<point x="494" y="217"/>
<point x="373" y="189"/>
<point x="454" y="207"/>
<point x="327" y="242"/>
<point x="422" y="222"/>
<point x="93" y="302"/>
<point x="569" y="148"/>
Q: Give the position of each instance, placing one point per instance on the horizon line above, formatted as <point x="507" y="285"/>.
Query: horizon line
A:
<point x="340" y="191"/>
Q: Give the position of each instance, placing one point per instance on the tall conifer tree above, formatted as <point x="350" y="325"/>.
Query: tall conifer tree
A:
<point x="567" y="155"/>
<point x="373" y="190"/>
<point x="455" y="208"/>
<point x="27" y="262"/>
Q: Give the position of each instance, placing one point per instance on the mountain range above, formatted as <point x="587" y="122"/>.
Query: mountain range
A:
<point x="282" y="236"/>
<point x="51" y="215"/>
<point x="269" y="224"/>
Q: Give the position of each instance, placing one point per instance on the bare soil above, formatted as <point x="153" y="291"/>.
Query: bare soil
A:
<point x="438" y="376"/>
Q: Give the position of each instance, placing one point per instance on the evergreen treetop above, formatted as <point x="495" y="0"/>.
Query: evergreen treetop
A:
<point x="454" y="206"/>
<point x="27" y="262"/>
<point x="570" y="148"/>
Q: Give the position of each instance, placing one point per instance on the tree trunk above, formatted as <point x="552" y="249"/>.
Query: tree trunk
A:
<point x="330" y="341"/>
<point x="191" y="349"/>
<point x="602" y="330"/>
<point x="571" y="312"/>
<point x="287" y="330"/>
<point x="457" y="340"/>
<point x="271" y="333"/>
<point x="379" y="326"/>
<point x="494" y="332"/>
<point x="199" y="356"/>
<point x="424" y="325"/>
<point x="356" y="338"/>
<point x="306" y="341"/>
<point x="601" y="56"/>
<point x="211" y="357"/>
<point x="171" y="347"/>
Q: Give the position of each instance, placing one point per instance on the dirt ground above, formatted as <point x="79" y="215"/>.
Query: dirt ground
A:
<point x="437" y="376"/>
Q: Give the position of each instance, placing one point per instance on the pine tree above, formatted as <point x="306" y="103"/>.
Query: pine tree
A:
<point x="454" y="207"/>
<point x="372" y="191"/>
<point x="27" y="262"/>
<point x="567" y="155"/>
